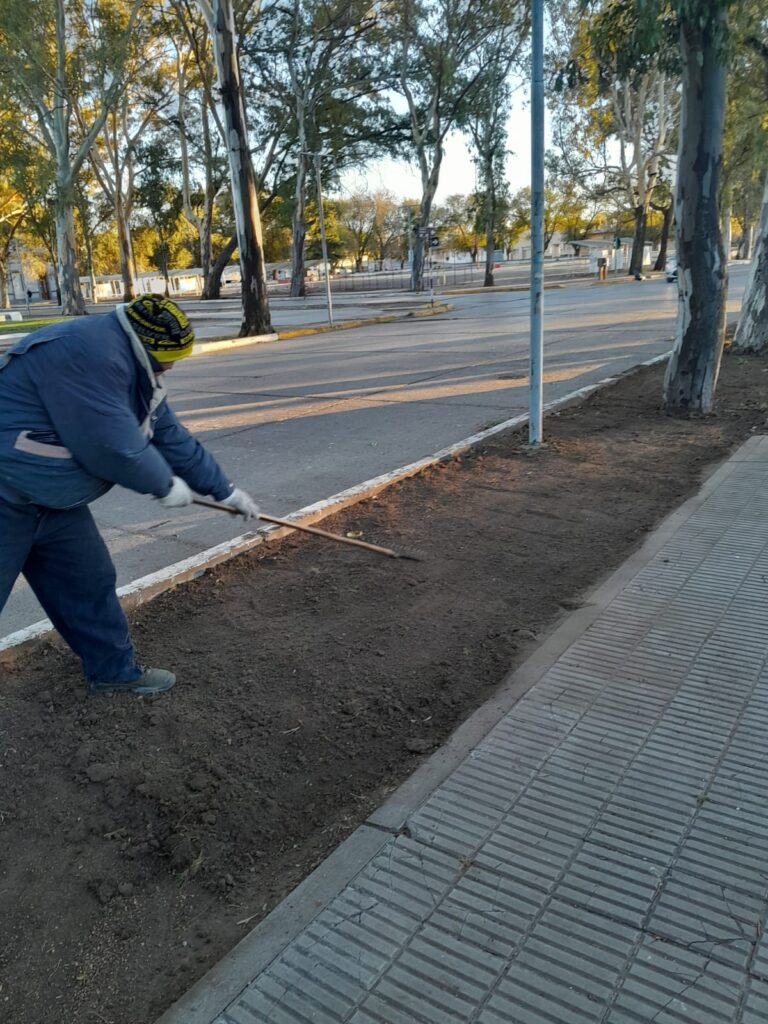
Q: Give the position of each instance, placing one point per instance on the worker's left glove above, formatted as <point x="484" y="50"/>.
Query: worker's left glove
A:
<point x="244" y="504"/>
<point x="179" y="495"/>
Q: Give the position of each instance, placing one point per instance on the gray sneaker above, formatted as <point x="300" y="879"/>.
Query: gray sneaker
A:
<point x="151" y="680"/>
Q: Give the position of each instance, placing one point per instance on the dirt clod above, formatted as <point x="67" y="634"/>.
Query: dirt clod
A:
<point x="99" y="772"/>
<point x="417" y="745"/>
<point x="198" y="782"/>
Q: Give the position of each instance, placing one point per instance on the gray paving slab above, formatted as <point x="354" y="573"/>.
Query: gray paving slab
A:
<point x="599" y="857"/>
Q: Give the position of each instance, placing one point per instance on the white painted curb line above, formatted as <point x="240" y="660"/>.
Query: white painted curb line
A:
<point x="144" y="589"/>
<point x="202" y="348"/>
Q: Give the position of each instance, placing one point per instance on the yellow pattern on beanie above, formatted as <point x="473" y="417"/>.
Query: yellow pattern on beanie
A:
<point x="162" y="328"/>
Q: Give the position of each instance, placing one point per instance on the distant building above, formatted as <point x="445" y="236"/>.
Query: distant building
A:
<point x="558" y="246"/>
<point x="20" y="284"/>
<point x="606" y="244"/>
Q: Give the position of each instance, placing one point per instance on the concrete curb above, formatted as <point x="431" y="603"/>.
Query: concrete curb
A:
<point x="226" y="980"/>
<point x="147" y="587"/>
<point x="385" y="318"/>
<point x="497" y="288"/>
<point x="624" y="278"/>
<point x="224" y="344"/>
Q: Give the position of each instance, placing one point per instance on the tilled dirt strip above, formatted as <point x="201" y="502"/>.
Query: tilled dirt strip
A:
<point x="140" y="839"/>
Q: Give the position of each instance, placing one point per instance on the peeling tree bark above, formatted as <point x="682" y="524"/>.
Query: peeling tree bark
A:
<point x="752" y="331"/>
<point x="702" y="271"/>
<point x="221" y="24"/>
<point x="72" y="300"/>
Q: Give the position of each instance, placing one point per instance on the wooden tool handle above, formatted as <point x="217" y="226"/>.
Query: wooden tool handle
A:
<point x="304" y="529"/>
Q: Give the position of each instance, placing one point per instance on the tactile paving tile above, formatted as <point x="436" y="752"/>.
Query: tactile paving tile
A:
<point x="760" y="960"/>
<point x="668" y="984"/>
<point x="567" y="971"/>
<point x="756" y="1004"/>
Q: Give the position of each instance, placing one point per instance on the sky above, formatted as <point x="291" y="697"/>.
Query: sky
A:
<point x="457" y="174"/>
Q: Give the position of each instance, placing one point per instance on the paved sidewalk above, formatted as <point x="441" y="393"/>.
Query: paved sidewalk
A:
<point x="600" y="856"/>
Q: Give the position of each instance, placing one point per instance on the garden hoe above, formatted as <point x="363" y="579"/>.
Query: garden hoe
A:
<point x="314" y="531"/>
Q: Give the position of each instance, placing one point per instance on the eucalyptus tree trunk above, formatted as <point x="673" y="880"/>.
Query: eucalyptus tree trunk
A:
<point x="661" y="259"/>
<point x="72" y="301"/>
<point x="299" y="224"/>
<point x="638" y="241"/>
<point x="5" y="299"/>
<point x="221" y="24"/>
<point x="640" y="172"/>
<point x="212" y="287"/>
<point x="490" y="228"/>
<point x="206" y="225"/>
<point x="430" y="180"/>
<point x="164" y="268"/>
<point x="5" y="255"/>
<point x="744" y="252"/>
<point x="89" y="262"/>
<point x="752" y="331"/>
<point x="202" y="222"/>
<point x="125" y="248"/>
<point x="123" y="199"/>
<point x="727" y="232"/>
<point x="701" y="267"/>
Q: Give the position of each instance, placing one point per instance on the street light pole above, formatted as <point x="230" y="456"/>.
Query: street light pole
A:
<point x="536" y="398"/>
<point x="323" y="239"/>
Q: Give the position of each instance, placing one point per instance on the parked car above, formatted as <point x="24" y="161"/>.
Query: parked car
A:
<point x="671" y="268"/>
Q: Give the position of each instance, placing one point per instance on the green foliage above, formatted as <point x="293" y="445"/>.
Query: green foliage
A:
<point x="105" y="252"/>
<point x="170" y="245"/>
<point x="312" y="63"/>
<point x="567" y="211"/>
<point x="32" y="325"/>
<point x="458" y="222"/>
<point x="335" y="245"/>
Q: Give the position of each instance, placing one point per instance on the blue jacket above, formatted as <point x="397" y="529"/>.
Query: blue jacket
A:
<point x="77" y="415"/>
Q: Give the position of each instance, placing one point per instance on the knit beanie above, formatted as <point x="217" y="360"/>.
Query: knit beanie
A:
<point x="161" y="327"/>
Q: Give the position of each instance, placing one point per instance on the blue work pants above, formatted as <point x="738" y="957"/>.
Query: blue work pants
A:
<point x="64" y="559"/>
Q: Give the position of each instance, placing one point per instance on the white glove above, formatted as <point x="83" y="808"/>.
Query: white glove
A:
<point x="244" y="504"/>
<point x="178" y="496"/>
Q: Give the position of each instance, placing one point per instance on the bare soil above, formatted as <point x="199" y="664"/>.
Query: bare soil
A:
<point x="140" y="839"/>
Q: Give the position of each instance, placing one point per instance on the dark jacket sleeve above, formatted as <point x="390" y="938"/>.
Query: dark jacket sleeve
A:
<point x="90" y="409"/>
<point x="187" y="457"/>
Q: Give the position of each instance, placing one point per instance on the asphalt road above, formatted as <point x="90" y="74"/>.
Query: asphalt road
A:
<point x="299" y="420"/>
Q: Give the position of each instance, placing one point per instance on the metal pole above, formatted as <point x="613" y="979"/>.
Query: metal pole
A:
<point x="536" y="400"/>
<point x="323" y="240"/>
